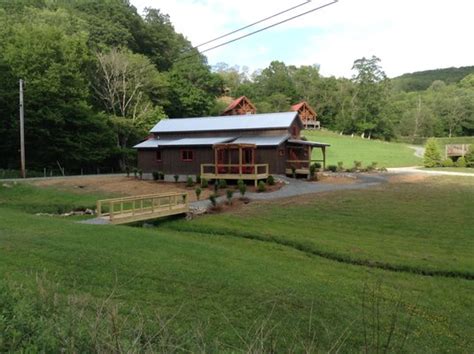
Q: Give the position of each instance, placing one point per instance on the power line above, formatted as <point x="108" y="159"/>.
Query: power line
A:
<point x="253" y="24"/>
<point x="259" y="30"/>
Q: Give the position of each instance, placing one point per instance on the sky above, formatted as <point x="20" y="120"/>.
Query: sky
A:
<point x="407" y="35"/>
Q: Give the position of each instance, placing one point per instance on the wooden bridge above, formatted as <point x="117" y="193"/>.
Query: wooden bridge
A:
<point x="456" y="150"/>
<point x="144" y="207"/>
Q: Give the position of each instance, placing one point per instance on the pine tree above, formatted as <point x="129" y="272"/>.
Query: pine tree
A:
<point x="432" y="157"/>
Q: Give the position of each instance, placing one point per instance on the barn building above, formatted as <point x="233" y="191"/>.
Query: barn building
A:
<point x="247" y="147"/>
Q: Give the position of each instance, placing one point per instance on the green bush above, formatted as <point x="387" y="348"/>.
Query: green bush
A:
<point x="156" y="175"/>
<point x="372" y="166"/>
<point x="332" y="168"/>
<point x="198" y="192"/>
<point x="222" y="184"/>
<point x="357" y="165"/>
<point x="135" y="172"/>
<point x="176" y="178"/>
<point x="293" y="171"/>
<point x="229" y="194"/>
<point x="461" y="162"/>
<point x="213" y="199"/>
<point x="447" y="163"/>
<point x="198" y="179"/>
<point x="261" y="187"/>
<point x="432" y="157"/>
<point x="140" y="173"/>
<point x="317" y="165"/>
<point x="204" y="183"/>
<point x="340" y="166"/>
<point x="242" y="188"/>
<point x="271" y="180"/>
<point x="470" y="156"/>
<point x="189" y="182"/>
<point x="312" y="171"/>
<point x="127" y="171"/>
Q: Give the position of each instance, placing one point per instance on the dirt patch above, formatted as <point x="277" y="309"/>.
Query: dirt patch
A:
<point x="120" y="186"/>
<point x="335" y="180"/>
<point x="130" y="186"/>
<point x="408" y="178"/>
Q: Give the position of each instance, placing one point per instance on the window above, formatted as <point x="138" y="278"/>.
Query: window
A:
<point x="294" y="131"/>
<point x="248" y="156"/>
<point x="158" y="155"/>
<point x="187" y="155"/>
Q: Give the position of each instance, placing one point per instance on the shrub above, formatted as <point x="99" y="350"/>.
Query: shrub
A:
<point x="162" y="175"/>
<point x="312" y="171"/>
<point x="332" y="168"/>
<point x="293" y="171"/>
<point x="222" y="184"/>
<point x="461" y="162"/>
<point x="216" y="186"/>
<point x="318" y="165"/>
<point x="156" y="175"/>
<point x="213" y="200"/>
<point x="198" y="192"/>
<point x="470" y="156"/>
<point x="261" y="187"/>
<point x="242" y="188"/>
<point x="140" y="173"/>
<point x="198" y="179"/>
<point x="127" y="171"/>
<point x="240" y="182"/>
<point x="357" y="165"/>
<point x="189" y="182"/>
<point x="447" y="163"/>
<point x="135" y="172"/>
<point x="372" y="166"/>
<point x="204" y="183"/>
<point x="271" y="180"/>
<point x="229" y="195"/>
<point x="432" y="157"/>
<point x="176" y="178"/>
<point x="340" y="166"/>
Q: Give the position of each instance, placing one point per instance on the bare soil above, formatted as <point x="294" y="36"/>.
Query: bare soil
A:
<point x="129" y="186"/>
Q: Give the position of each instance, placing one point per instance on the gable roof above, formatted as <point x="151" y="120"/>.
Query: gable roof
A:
<point x="236" y="102"/>
<point x="300" y="105"/>
<point x="280" y="120"/>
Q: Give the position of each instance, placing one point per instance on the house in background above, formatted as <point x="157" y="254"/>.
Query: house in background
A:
<point x="307" y="114"/>
<point x="240" y="106"/>
<point x="247" y="147"/>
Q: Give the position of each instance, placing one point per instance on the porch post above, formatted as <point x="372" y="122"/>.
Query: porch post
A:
<point x="215" y="160"/>
<point x="324" y="157"/>
<point x="240" y="160"/>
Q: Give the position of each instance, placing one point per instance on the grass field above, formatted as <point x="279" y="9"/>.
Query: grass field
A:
<point x="348" y="150"/>
<point x="250" y="281"/>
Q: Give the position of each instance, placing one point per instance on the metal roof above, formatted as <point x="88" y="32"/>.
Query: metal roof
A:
<point x="306" y="142"/>
<point x="155" y="143"/>
<point x="238" y="122"/>
<point x="262" y="140"/>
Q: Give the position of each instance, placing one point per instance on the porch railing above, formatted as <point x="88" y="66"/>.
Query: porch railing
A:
<point x="244" y="170"/>
<point x="301" y="164"/>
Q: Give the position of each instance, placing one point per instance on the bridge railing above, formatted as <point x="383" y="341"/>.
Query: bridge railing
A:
<point x="143" y="206"/>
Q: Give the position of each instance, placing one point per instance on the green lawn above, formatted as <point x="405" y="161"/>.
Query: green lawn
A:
<point x="347" y="149"/>
<point x="116" y="288"/>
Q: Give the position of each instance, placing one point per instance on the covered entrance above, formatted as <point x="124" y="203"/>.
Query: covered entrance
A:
<point x="300" y="159"/>
<point x="234" y="161"/>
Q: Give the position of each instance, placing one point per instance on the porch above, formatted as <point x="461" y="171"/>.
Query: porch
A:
<point x="234" y="162"/>
<point x="300" y="156"/>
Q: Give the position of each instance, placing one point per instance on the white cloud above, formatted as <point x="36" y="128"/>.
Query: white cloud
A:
<point x="408" y="35"/>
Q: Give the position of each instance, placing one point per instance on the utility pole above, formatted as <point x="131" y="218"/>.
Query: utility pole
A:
<point x="22" y="132"/>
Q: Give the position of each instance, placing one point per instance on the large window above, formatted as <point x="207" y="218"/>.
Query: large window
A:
<point x="187" y="155"/>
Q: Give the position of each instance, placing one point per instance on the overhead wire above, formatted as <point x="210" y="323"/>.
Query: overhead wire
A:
<point x="253" y="24"/>
<point x="257" y="31"/>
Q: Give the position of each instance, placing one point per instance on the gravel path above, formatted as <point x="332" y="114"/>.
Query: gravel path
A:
<point x="301" y="187"/>
<point x="420" y="170"/>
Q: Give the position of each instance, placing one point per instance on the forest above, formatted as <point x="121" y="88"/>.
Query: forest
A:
<point x="98" y="75"/>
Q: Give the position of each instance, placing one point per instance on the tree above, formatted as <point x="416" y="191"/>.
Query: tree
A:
<point x="432" y="156"/>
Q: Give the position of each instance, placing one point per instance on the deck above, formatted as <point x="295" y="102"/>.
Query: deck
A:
<point x="252" y="172"/>
<point x="144" y="207"/>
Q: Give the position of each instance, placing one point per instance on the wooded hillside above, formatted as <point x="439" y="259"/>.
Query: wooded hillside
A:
<point x="98" y="76"/>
